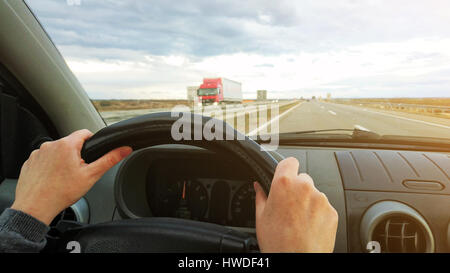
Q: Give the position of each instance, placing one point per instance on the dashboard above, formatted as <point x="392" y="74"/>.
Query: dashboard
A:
<point x="397" y="198"/>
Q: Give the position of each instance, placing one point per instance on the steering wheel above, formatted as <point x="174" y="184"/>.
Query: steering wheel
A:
<point x="170" y="234"/>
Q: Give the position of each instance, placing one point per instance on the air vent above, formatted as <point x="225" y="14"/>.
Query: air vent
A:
<point x="77" y="212"/>
<point x="400" y="234"/>
<point x="67" y="214"/>
<point x="397" y="228"/>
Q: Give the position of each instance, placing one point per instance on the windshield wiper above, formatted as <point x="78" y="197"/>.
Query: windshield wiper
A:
<point x="356" y="133"/>
<point x="359" y="139"/>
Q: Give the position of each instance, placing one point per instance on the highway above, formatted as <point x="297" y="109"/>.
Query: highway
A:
<point x="315" y="115"/>
<point x="111" y="117"/>
<point x="319" y="115"/>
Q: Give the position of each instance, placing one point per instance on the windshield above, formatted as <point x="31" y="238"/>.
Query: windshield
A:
<point x="207" y="91"/>
<point x="380" y="66"/>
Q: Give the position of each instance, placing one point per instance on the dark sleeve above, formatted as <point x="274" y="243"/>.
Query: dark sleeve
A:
<point x="20" y="232"/>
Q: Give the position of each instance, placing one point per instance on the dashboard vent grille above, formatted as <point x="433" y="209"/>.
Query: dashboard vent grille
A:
<point x="67" y="214"/>
<point x="400" y="234"/>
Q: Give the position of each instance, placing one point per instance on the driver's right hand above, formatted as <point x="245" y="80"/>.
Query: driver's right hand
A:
<point x="295" y="217"/>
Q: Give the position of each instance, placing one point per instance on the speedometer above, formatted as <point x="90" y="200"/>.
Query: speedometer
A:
<point x="243" y="206"/>
<point x="181" y="199"/>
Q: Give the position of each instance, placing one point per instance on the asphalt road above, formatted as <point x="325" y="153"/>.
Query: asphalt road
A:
<point x="316" y="115"/>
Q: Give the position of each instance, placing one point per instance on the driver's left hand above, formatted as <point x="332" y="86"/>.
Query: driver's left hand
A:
<point x="55" y="176"/>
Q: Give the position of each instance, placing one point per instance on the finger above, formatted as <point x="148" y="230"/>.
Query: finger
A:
<point x="260" y="200"/>
<point x="79" y="137"/>
<point x="99" y="167"/>
<point x="286" y="168"/>
<point x="305" y="178"/>
<point x="45" y="144"/>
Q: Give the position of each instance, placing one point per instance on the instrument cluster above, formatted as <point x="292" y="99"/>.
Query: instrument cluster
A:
<point x="220" y="201"/>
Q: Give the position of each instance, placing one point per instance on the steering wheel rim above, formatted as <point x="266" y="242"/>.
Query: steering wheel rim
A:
<point x="155" y="129"/>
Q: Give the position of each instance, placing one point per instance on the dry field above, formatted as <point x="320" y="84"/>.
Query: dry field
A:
<point x="437" y="107"/>
<point x="114" y="105"/>
<point x="419" y="101"/>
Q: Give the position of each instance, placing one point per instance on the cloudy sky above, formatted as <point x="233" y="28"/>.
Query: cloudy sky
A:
<point x="350" y="48"/>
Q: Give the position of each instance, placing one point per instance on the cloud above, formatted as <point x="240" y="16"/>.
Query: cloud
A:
<point x="265" y="65"/>
<point x="121" y="49"/>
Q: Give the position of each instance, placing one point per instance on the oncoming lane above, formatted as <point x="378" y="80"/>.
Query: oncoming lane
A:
<point x="316" y="115"/>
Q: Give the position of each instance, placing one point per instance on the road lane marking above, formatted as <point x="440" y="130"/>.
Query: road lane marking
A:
<point x="272" y="120"/>
<point x="410" y="119"/>
<point x="399" y="117"/>
<point x="359" y="127"/>
<point x="331" y="112"/>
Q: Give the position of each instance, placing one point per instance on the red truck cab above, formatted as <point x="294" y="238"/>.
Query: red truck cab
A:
<point x="210" y="91"/>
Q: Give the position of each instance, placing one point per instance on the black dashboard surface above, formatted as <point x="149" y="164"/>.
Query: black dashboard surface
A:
<point x="418" y="180"/>
<point x="353" y="180"/>
<point x="399" y="171"/>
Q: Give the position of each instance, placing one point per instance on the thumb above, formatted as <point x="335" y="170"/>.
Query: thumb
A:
<point x="260" y="200"/>
<point x="99" y="167"/>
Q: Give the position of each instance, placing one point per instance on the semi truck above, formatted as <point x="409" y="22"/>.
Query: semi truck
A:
<point x="219" y="91"/>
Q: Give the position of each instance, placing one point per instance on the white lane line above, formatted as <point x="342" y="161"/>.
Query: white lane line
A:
<point x="410" y="119"/>
<point x="272" y="120"/>
<point x="331" y="112"/>
<point x="359" y="127"/>
<point x="399" y="117"/>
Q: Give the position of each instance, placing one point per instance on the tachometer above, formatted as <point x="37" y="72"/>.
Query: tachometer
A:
<point x="243" y="206"/>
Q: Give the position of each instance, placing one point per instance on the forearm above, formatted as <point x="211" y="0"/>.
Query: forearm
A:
<point x="20" y="232"/>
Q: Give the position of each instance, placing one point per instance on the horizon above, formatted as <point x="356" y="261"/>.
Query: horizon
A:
<point x="295" y="98"/>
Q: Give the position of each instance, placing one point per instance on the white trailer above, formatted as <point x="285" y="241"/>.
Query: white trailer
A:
<point x="232" y="91"/>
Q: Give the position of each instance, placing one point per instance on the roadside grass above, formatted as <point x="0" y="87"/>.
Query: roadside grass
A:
<point x="117" y="105"/>
<point x="420" y="101"/>
<point x="409" y="105"/>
